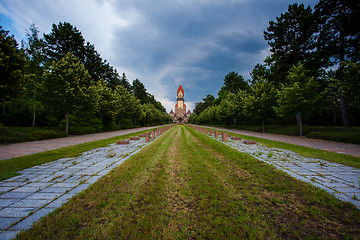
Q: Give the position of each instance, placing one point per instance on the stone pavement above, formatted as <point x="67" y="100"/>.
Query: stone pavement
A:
<point x="22" y="149"/>
<point x="41" y="189"/>
<point x="345" y="148"/>
<point x="339" y="180"/>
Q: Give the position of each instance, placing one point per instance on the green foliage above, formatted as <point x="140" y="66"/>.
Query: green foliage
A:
<point x="339" y="31"/>
<point x="65" y="75"/>
<point x="291" y="39"/>
<point x="233" y="82"/>
<point x="139" y="91"/>
<point x="12" y="66"/>
<point x="300" y="94"/>
<point x="68" y="86"/>
<point x="208" y="101"/>
<point x="25" y="134"/>
<point x="65" y="38"/>
<point x="259" y="103"/>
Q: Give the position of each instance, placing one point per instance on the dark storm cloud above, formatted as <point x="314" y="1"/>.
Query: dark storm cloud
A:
<point x="163" y="43"/>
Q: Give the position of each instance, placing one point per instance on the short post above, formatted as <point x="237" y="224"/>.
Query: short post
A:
<point x="224" y="137"/>
<point x="153" y="134"/>
<point x="147" y="136"/>
<point x="216" y="134"/>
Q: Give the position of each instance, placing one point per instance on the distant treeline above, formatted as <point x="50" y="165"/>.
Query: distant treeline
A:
<point x="61" y="80"/>
<point x="312" y="74"/>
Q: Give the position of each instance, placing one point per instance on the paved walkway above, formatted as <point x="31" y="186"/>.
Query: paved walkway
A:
<point x="27" y="148"/>
<point x="337" y="179"/>
<point x="345" y="148"/>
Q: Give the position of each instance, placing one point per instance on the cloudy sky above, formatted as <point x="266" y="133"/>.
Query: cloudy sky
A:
<point x="162" y="42"/>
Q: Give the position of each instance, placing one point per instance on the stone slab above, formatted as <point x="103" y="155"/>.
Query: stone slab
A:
<point x="17" y="211"/>
<point x="7" y="235"/>
<point x="7" y="222"/>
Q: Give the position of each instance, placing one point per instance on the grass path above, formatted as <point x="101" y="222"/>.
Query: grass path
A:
<point x="186" y="185"/>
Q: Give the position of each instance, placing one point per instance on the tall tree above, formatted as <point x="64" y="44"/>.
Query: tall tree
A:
<point x="299" y="96"/>
<point x="62" y="39"/>
<point x="67" y="86"/>
<point x="234" y="82"/>
<point x="339" y="37"/>
<point x="139" y="91"/>
<point x="34" y="47"/>
<point x="205" y="103"/>
<point x="125" y="82"/>
<point x="259" y="103"/>
<point x="65" y="38"/>
<point x="291" y="39"/>
<point x="260" y="71"/>
<point x="12" y="66"/>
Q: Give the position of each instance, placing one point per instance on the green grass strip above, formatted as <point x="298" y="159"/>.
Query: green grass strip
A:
<point x="345" y="159"/>
<point x="10" y="167"/>
<point x="186" y="185"/>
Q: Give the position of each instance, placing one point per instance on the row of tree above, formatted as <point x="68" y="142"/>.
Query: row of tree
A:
<point x="62" y="75"/>
<point x="312" y="74"/>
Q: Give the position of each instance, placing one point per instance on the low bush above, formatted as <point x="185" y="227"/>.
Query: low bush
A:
<point x="24" y="134"/>
<point x="81" y="130"/>
<point x="346" y="137"/>
<point x="126" y="124"/>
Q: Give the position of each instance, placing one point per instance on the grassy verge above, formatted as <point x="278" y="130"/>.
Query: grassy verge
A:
<point x="186" y="185"/>
<point x="10" y="167"/>
<point x="331" y="133"/>
<point x="345" y="159"/>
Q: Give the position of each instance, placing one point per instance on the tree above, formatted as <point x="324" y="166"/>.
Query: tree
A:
<point x="68" y="86"/>
<point x="62" y="39"/>
<point x="139" y="91"/>
<point x="226" y="110"/>
<point x="292" y="39"/>
<point x="259" y="103"/>
<point x="12" y="66"/>
<point x="108" y="103"/>
<point x="206" y="102"/>
<point x="234" y="82"/>
<point x="34" y="51"/>
<point x="125" y="82"/>
<point x="260" y="71"/>
<point x="339" y="37"/>
<point x="299" y="95"/>
<point x="65" y="38"/>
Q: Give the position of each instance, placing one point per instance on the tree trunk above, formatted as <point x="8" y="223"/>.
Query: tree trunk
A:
<point x="34" y="116"/>
<point x="300" y="123"/>
<point x="67" y="123"/>
<point x="263" y="125"/>
<point x="344" y="113"/>
<point x="3" y="109"/>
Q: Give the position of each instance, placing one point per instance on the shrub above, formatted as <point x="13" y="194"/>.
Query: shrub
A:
<point x="25" y="134"/>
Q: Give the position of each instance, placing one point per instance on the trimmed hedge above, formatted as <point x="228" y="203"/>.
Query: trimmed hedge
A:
<point x="25" y="134"/>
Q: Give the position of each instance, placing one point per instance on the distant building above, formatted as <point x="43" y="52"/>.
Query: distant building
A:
<point x="180" y="115"/>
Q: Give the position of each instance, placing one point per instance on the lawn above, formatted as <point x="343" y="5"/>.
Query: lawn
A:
<point x="186" y="185"/>
<point x="345" y="159"/>
<point x="330" y="133"/>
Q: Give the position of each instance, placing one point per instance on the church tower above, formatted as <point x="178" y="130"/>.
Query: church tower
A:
<point x="180" y="115"/>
